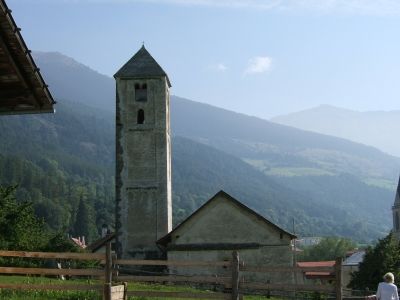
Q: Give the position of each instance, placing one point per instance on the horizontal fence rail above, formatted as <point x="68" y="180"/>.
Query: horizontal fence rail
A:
<point x="53" y="287"/>
<point x="287" y="287"/>
<point x="170" y="263"/>
<point x="271" y="269"/>
<point x="43" y="271"/>
<point x="182" y="278"/>
<point x="179" y="295"/>
<point x="53" y="255"/>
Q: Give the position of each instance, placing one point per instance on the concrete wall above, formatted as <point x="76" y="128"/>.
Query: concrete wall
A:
<point x="143" y="172"/>
<point x="346" y="274"/>
<point x="262" y="256"/>
<point x="222" y="223"/>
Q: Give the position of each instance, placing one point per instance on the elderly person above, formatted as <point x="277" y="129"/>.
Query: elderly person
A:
<point x="387" y="290"/>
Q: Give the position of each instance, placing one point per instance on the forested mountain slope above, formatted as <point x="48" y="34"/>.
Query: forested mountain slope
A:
<point x="328" y="185"/>
<point x="59" y="159"/>
<point x="277" y="147"/>
<point x="337" y="205"/>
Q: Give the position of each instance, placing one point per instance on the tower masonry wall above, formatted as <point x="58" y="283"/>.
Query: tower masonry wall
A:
<point x="143" y="168"/>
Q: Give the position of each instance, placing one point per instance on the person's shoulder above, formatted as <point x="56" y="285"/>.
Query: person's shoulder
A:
<point x="380" y="285"/>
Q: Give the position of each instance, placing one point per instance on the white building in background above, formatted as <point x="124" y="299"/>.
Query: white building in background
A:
<point x="308" y="241"/>
<point x="351" y="264"/>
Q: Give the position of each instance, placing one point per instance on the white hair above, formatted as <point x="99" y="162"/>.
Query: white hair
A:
<point x="389" y="277"/>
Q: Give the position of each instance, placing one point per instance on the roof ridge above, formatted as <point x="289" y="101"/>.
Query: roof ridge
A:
<point x="165" y="239"/>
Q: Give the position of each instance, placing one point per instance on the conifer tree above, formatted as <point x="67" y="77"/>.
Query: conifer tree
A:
<point x="84" y="225"/>
<point x="382" y="258"/>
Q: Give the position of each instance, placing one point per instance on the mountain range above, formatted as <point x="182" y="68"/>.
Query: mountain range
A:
<point x="375" y="128"/>
<point x="328" y="185"/>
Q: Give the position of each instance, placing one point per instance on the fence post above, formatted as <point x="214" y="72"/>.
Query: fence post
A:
<point x="338" y="277"/>
<point x="108" y="273"/>
<point x="125" y="291"/>
<point x="114" y="268"/>
<point x="235" y="275"/>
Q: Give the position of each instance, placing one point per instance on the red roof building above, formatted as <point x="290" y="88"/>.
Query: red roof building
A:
<point x="323" y="275"/>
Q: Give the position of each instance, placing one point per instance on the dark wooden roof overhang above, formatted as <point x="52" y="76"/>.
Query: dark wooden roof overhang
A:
<point x="96" y="245"/>
<point x="22" y="88"/>
<point x="220" y="246"/>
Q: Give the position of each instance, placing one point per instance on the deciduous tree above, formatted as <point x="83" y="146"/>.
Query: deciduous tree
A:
<point x="382" y="258"/>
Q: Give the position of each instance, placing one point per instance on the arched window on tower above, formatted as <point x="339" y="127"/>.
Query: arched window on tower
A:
<point x="396" y="221"/>
<point x="140" y="116"/>
<point x="141" y="92"/>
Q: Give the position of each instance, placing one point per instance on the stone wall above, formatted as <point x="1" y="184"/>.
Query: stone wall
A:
<point x="263" y="256"/>
<point x="143" y="172"/>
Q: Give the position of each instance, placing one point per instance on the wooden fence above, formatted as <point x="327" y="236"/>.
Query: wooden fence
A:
<point x="52" y="271"/>
<point x="233" y="284"/>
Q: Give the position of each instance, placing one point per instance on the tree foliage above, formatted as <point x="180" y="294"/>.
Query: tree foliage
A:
<point x="382" y="258"/>
<point x="21" y="229"/>
<point x="84" y="225"/>
<point x="55" y="159"/>
<point x="328" y="248"/>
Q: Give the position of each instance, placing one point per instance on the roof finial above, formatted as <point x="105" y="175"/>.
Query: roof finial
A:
<point x="142" y="44"/>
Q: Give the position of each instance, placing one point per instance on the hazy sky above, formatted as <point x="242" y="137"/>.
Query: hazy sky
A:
<point x="261" y="58"/>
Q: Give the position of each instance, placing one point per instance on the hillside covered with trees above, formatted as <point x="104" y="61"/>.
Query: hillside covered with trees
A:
<point x="64" y="164"/>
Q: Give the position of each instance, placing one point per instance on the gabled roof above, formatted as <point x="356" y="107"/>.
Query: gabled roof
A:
<point x="22" y="88"/>
<point x="316" y="264"/>
<point x="142" y="65"/>
<point x="93" y="247"/>
<point x="355" y="259"/>
<point x="397" y="197"/>
<point x="167" y="238"/>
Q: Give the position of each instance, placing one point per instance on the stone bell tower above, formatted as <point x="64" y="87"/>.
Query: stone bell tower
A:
<point x="143" y="157"/>
<point x="396" y="213"/>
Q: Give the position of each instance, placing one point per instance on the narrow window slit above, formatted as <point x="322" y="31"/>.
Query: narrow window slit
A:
<point x="140" y="116"/>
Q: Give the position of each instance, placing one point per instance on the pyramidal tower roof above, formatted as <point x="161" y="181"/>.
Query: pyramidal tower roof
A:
<point x="397" y="199"/>
<point x="141" y="65"/>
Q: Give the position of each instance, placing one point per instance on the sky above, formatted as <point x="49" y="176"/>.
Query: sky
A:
<point x="260" y="57"/>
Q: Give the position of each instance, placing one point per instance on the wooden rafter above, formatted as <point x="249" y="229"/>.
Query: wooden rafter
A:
<point x="22" y="88"/>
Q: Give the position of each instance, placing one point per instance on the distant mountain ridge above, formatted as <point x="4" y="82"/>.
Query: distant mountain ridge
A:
<point x="69" y="79"/>
<point x="375" y="128"/>
<point x="277" y="146"/>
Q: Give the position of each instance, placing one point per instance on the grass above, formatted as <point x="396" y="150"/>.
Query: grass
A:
<point x="86" y="295"/>
<point x="382" y="183"/>
<point x="264" y="167"/>
<point x="46" y="295"/>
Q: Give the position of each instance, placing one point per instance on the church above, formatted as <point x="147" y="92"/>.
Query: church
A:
<point x="396" y="213"/>
<point x="143" y="187"/>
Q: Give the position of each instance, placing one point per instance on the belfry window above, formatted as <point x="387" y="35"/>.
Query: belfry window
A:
<point x="140" y="116"/>
<point x="396" y="221"/>
<point x="141" y="92"/>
